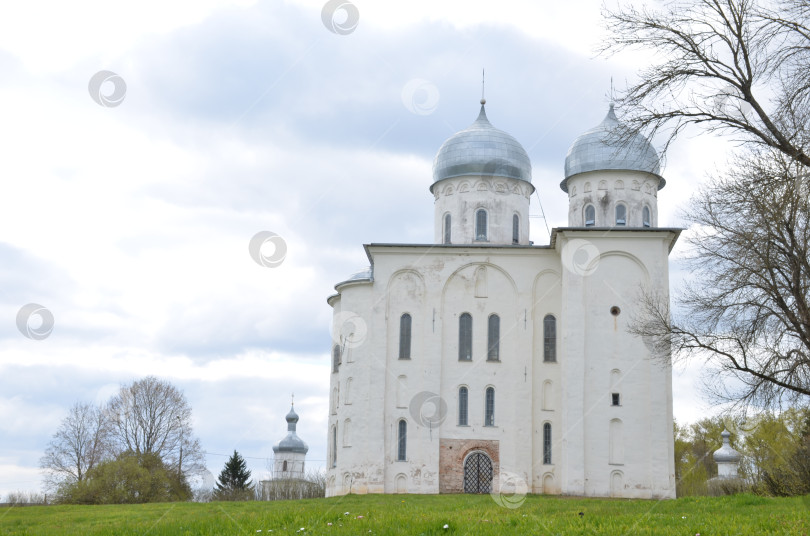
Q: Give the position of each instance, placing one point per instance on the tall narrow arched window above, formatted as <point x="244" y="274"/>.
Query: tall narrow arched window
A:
<point x="590" y="216"/>
<point x="347" y="393"/>
<point x="548" y="402"/>
<point x="405" y="336"/>
<point x="335" y="358"/>
<point x="402" y="438"/>
<point x="621" y="215"/>
<point x="447" y="221"/>
<point x="462" y="406"/>
<point x="493" y="338"/>
<point x="347" y="426"/>
<point x="616" y="446"/>
<point x="284" y="466"/>
<point x="645" y="220"/>
<point x="481" y="224"/>
<point x="334" y="446"/>
<point x="465" y="337"/>
<point x="489" y="407"/>
<point x="515" y="229"/>
<point x="547" y="443"/>
<point x="549" y="338"/>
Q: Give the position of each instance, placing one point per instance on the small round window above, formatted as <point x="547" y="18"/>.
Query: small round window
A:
<point x="615" y="311"/>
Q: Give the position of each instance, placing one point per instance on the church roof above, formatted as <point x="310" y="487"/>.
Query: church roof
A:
<point x="291" y="443"/>
<point x="482" y="149"/>
<point x="366" y="274"/>
<point x="601" y="148"/>
<point x="726" y="453"/>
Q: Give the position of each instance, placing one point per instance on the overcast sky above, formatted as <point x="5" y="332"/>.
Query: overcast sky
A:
<point x="130" y="222"/>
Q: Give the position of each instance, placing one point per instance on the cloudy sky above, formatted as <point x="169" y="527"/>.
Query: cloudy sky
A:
<point x="130" y="222"/>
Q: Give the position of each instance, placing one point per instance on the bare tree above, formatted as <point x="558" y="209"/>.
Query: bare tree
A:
<point x="80" y="443"/>
<point x="748" y="310"/>
<point x="153" y="416"/>
<point x="728" y="66"/>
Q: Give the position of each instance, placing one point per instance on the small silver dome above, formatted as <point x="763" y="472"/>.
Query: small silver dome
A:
<point x="599" y="149"/>
<point x="366" y="274"/>
<point x="481" y="149"/>
<point x="361" y="275"/>
<point x="726" y="454"/>
<point x="291" y="443"/>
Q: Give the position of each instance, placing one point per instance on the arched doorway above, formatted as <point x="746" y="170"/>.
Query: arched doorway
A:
<point x="616" y="484"/>
<point x="477" y="473"/>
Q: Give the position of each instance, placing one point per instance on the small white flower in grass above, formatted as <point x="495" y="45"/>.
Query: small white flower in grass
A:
<point x="328" y="524"/>
<point x="345" y="513"/>
<point x="446" y="526"/>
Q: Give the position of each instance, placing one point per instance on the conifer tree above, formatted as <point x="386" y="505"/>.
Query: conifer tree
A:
<point x="234" y="483"/>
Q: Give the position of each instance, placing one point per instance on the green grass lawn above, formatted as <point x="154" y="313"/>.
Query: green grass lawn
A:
<point x="422" y="514"/>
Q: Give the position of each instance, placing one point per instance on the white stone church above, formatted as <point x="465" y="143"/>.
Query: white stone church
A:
<point x="483" y="357"/>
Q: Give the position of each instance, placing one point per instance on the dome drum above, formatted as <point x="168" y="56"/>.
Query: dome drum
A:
<point x="604" y="191"/>
<point x="503" y="200"/>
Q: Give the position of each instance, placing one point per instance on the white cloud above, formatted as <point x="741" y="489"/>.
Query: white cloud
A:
<point x="49" y="36"/>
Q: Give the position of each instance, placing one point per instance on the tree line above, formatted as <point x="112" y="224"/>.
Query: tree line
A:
<point x="138" y="447"/>
<point x="775" y="451"/>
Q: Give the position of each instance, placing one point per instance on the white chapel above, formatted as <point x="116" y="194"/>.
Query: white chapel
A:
<point x="483" y="357"/>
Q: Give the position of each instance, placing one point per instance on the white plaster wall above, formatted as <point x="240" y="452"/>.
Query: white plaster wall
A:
<point x="546" y="300"/>
<point x="596" y="343"/>
<point x="359" y="467"/>
<point x="727" y="469"/>
<point x="605" y="189"/>
<point x="435" y="285"/>
<point x="501" y="197"/>
<point x="295" y="465"/>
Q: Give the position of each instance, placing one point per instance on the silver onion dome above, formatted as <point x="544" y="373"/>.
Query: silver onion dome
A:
<point x="726" y="453"/>
<point x="482" y="149"/>
<point x="601" y="148"/>
<point x="291" y="443"/>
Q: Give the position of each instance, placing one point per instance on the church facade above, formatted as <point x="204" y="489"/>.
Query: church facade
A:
<point x="482" y="357"/>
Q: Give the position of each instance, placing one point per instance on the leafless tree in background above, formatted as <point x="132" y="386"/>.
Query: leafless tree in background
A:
<point x="80" y="443"/>
<point x="748" y="310"/>
<point x="153" y="416"/>
<point x="735" y="67"/>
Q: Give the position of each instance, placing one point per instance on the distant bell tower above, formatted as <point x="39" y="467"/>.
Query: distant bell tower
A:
<point x="612" y="177"/>
<point x="290" y="452"/>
